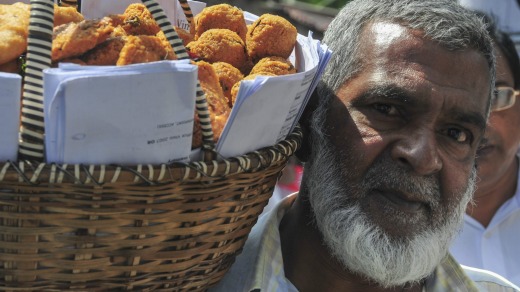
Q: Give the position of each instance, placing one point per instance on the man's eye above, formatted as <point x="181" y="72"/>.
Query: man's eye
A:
<point x="385" y="109"/>
<point x="459" y="135"/>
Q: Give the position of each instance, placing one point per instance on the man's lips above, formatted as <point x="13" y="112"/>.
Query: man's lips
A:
<point x="402" y="201"/>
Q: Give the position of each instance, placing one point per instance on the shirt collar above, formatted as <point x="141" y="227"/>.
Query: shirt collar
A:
<point x="269" y="273"/>
<point x="449" y="276"/>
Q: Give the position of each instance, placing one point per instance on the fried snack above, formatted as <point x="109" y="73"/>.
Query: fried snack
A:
<point x="274" y="65"/>
<point x="118" y="31"/>
<point x="143" y="49"/>
<point x="217" y="103"/>
<point x="270" y="35"/>
<point x="227" y="76"/>
<point x="236" y="86"/>
<point x="14" y="24"/>
<point x="210" y="84"/>
<point x="248" y="65"/>
<point x="63" y="15"/>
<point x="137" y="20"/>
<point x="219" y="16"/>
<point x="14" y="28"/>
<point x="74" y="39"/>
<point x="220" y="45"/>
<point x="165" y="43"/>
<point x="10" y="67"/>
<point x="217" y="125"/>
<point x="183" y="34"/>
<point x="106" y="53"/>
<point x="196" y="136"/>
<point x="74" y="61"/>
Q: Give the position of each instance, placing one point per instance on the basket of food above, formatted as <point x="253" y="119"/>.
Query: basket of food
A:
<point x="132" y="227"/>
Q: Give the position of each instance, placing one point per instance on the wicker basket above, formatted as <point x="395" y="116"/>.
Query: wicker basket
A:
<point x="140" y="228"/>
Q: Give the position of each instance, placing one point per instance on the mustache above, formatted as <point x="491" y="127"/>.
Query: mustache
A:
<point x="385" y="174"/>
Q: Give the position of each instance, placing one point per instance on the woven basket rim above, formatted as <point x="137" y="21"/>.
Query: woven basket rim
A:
<point x="40" y="172"/>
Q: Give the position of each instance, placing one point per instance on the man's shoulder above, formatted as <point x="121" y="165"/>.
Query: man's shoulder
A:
<point x="489" y="281"/>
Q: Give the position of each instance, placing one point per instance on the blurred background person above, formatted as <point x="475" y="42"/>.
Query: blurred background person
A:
<point x="506" y="13"/>
<point x="490" y="238"/>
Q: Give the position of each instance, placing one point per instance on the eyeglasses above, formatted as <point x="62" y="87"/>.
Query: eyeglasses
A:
<point x="504" y="98"/>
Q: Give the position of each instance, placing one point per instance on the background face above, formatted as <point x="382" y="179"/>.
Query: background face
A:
<point x="496" y="159"/>
<point x="506" y="12"/>
<point x="417" y="107"/>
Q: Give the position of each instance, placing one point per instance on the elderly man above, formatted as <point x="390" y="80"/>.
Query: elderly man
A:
<point x="390" y="158"/>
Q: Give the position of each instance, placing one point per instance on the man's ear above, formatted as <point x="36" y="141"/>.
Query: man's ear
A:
<point x="304" y="151"/>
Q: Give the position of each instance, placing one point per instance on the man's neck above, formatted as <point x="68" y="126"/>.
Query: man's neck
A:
<point x="489" y="198"/>
<point x="307" y="262"/>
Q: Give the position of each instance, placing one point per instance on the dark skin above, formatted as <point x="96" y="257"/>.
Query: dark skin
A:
<point x="409" y="103"/>
<point x="496" y="159"/>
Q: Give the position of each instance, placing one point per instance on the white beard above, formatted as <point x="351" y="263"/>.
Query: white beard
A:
<point x="362" y="246"/>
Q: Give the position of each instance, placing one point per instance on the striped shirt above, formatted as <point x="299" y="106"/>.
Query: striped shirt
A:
<point x="260" y="265"/>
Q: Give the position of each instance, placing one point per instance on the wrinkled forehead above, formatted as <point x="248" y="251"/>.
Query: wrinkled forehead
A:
<point x="396" y="49"/>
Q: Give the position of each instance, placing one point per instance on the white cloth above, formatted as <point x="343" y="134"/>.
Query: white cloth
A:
<point x="495" y="248"/>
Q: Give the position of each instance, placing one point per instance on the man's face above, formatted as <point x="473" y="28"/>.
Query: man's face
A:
<point x="389" y="183"/>
<point x="415" y="106"/>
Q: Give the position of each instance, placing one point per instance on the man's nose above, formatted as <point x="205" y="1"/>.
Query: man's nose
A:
<point x="419" y="151"/>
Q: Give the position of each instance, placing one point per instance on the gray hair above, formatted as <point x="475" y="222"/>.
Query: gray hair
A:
<point x="443" y="21"/>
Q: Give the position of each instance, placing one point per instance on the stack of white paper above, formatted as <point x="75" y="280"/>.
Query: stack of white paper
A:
<point x="126" y="115"/>
<point x="268" y="108"/>
<point x="10" y="94"/>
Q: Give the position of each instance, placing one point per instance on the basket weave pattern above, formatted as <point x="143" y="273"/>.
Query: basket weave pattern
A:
<point x="112" y="228"/>
<point x="102" y="228"/>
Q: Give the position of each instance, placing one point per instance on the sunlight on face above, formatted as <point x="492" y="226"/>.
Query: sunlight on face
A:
<point x="385" y="33"/>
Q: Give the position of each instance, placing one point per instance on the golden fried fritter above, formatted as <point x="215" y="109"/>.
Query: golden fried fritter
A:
<point x="63" y="15"/>
<point x="74" y="39"/>
<point x="210" y="84"/>
<point x="143" y="49"/>
<point x="117" y="19"/>
<point x="270" y="35"/>
<point x="118" y="32"/>
<point x="218" y="122"/>
<point x="275" y="65"/>
<point x="196" y="137"/>
<point x="10" y="67"/>
<point x="14" y="28"/>
<point x="186" y="36"/>
<point x="183" y="34"/>
<point x="217" y="103"/>
<point x="219" y="16"/>
<point x="220" y="45"/>
<point x="236" y="87"/>
<point x="74" y="61"/>
<point x="228" y="76"/>
<point x="106" y="53"/>
<point x="165" y="43"/>
<point x="139" y="21"/>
